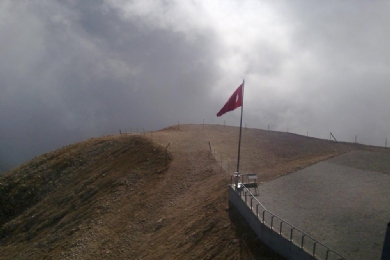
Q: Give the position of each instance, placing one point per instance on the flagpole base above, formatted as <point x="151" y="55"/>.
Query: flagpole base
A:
<point x="237" y="184"/>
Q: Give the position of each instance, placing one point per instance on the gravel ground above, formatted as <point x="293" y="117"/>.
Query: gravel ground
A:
<point x="344" y="207"/>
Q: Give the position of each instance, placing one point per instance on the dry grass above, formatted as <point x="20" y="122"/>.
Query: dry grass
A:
<point x="115" y="197"/>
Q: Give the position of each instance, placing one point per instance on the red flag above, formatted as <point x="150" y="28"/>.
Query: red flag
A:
<point x="234" y="101"/>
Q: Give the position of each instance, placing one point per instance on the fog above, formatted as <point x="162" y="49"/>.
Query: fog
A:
<point x="72" y="70"/>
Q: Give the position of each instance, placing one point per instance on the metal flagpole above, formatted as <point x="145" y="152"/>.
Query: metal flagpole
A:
<point x="239" y="140"/>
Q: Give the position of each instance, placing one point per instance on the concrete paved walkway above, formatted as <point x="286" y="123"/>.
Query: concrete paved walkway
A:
<point x="343" y="207"/>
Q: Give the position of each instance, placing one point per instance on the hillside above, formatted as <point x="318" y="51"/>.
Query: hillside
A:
<point x="123" y="197"/>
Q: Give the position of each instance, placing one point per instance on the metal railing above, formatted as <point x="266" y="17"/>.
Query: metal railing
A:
<point x="287" y="230"/>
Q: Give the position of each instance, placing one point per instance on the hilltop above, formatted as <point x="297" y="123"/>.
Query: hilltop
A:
<point x="155" y="195"/>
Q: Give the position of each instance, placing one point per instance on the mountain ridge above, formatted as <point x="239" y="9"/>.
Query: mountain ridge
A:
<point x="158" y="195"/>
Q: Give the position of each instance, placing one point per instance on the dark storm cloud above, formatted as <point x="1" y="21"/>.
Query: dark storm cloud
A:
<point x="76" y="69"/>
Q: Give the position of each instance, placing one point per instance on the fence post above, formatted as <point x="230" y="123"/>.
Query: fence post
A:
<point x="166" y="154"/>
<point x="333" y="136"/>
<point x="220" y="158"/>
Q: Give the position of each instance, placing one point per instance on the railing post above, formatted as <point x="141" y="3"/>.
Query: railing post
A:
<point x="291" y="234"/>
<point x="245" y="198"/>
<point x="303" y="236"/>
<point x="263" y="216"/>
<point x="280" y="229"/>
<point x="257" y="210"/>
<point x="327" y="254"/>
<point x="314" y="248"/>
<point x="272" y="221"/>
<point x="251" y="203"/>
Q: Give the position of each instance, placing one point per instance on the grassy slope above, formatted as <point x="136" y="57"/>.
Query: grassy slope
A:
<point x="115" y="198"/>
<point x="48" y="203"/>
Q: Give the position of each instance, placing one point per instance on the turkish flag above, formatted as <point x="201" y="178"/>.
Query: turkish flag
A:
<point x="234" y="101"/>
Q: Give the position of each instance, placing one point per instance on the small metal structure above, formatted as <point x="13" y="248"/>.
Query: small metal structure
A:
<point x="247" y="180"/>
<point x="251" y="181"/>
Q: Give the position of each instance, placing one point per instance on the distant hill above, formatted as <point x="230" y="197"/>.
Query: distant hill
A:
<point x="159" y="195"/>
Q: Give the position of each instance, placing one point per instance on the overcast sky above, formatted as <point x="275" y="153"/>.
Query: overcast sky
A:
<point x="75" y="69"/>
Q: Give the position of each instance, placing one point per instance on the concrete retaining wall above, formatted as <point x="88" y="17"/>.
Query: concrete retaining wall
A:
<point x="272" y="239"/>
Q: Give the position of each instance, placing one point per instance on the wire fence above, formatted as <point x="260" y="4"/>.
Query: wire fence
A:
<point x="354" y="137"/>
